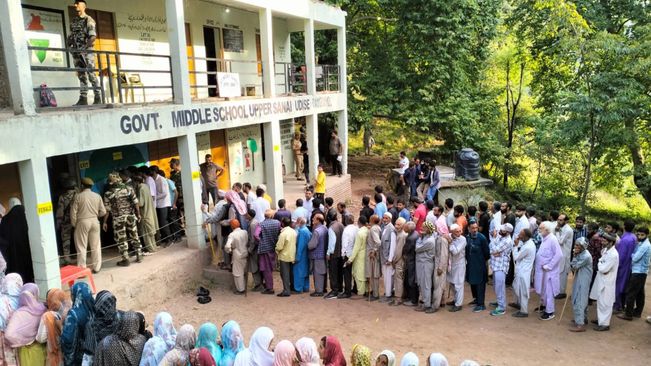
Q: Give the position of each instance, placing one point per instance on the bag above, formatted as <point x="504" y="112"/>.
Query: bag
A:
<point x="47" y="98"/>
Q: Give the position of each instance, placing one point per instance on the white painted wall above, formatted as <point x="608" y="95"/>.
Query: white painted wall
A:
<point x="244" y="164"/>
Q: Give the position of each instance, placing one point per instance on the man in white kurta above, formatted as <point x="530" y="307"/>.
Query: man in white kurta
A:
<point x="387" y="253"/>
<point x="603" y="289"/>
<point x="524" y="254"/>
<point x="457" y="273"/>
<point x="565" y="236"/>
<point x="237" y="246"/>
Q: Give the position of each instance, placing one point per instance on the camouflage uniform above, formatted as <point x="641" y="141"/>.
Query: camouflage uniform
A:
<point x="81" y="29"/>
<point x="63" y="221"/>
<point x="121" y="201"/>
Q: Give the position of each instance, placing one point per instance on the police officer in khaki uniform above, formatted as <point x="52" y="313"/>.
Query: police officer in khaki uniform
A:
<point x="121" y="201"/>
<point x="63" y="218"/>
<point x="85" y="211"/>
<point x="298" y="155"/>
<point x="82" y="37"/>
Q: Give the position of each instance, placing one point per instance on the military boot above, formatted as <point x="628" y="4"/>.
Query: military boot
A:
<point x="97" y="99"/>
<point x="83" y="100"/>
<point x="139" y="257"/>
<point x="124" y="262"/>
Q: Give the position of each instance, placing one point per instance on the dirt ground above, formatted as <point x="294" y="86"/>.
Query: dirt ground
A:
<point x="464" y="335"/>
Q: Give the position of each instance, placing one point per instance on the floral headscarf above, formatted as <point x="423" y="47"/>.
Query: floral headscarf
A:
<point x="9" y="297"/>
<point x="361" y="356"/>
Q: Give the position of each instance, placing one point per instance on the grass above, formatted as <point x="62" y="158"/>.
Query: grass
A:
<point x="391" y="138"/>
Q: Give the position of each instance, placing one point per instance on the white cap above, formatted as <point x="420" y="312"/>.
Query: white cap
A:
<point x="507" y="227"/>
<point x="263" y="187"/>
<point x="454" y="227"/>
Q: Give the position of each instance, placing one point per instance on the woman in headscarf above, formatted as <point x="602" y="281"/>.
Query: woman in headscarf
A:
<point x="232" y="342"/>
<point x="331" y="353"/>
<point x="162" y="342"/>
<point x="207" y="338"/>
<point x="259" y="352"/>
<point x="72" y="336"/>
<point x="9" y="298"/>
<point x="14" y="241"/>
<point x="23" y="326"/>
<point x="103" y="323"/>
<point x="437" y="359"/>
<point x="142" y="326"/>
<point x="285" y="354"/>
<point x="201" y="357"/>
<point x="124" y="348"/>
<point x="409" y="359"/>
<point x="307" y="352"/>
<point x="385" y="358"/>
<point x="180" y="354"/>
<point x="49" y="330"/>
<point x="361" y="356"/>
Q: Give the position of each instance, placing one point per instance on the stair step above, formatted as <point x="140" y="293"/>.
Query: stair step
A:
<point x="221" y="278"/>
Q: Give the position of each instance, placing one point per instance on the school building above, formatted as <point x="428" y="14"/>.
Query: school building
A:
<point x="177" y="78"/>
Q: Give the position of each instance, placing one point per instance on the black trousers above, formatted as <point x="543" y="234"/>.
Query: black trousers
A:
<point x="479" y="293"/>
<point x="510" y="275"/>
<point x="164" y="228"/>
<point x="286" y="276"/>
<point x="411" y="292"/>
<point x="336" y="164"/>
<point x="335" y="269"/>
<point x="635" y="294"/>
<point x="348" y="277"/>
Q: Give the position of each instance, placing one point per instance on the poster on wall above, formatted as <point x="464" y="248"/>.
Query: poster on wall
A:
<point x="45" y="28"/>
<point x="245" y="157"/>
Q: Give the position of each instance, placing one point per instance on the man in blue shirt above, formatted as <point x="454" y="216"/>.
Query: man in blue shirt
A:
<point x="639" y="270"/>
<point x="380" y="206"/>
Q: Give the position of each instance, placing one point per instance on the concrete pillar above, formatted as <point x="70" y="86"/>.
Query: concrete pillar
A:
<point x="17" y="57"/>
<point x="178" y="51"/>
<point x="343" y="87"/>
<point x="310" y="63"/>
<point x="42" y="235"/>
<point x="191" y="190"/>
<point x="312" y="131"/>
<point x="273" y="160"/>
<point x="267" y="45"/>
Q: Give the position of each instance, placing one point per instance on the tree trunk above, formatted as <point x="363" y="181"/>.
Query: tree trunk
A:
<point x="641" y="176"/>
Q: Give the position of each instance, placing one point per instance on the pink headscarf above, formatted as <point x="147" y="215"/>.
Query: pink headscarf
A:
<point x="234" y="198"/>
<point x="23" y="325"/>
<point x="284" y="354"/>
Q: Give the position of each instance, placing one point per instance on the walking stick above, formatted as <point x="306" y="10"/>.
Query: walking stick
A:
<point x="212" y="247"/>
<point x="567" y="297"/>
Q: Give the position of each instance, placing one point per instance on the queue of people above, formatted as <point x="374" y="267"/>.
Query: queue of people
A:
<point x="74" y="328"/>
<point x="424" y="253"/>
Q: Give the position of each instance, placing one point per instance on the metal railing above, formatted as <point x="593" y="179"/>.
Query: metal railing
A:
<point x="295" y="82"/>
<point x="247" y="70"/>
<point x="121" y="80"/>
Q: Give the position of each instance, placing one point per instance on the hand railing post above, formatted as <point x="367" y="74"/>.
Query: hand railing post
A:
<point x="119" y="78"/>
<point x="98" y="55"/>
<point x="110" y="77"/>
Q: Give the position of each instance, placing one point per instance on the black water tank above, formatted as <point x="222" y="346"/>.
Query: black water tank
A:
<point x="467" y="164"/>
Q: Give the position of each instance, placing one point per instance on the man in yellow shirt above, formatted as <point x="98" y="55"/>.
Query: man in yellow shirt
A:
<point x="320" y="184"/>
<point x="286" y="250"/>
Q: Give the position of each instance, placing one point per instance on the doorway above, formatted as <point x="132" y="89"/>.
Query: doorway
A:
<point x="215" y="53"/>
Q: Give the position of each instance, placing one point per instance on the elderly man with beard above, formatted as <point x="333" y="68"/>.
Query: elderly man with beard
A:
<point x="387" y="253"/>
<point x="439" y="276"/>
<point x="524" y="254"/>
<point x="425" y="247"/>
<point x="457" y="273"/>
<point x="582" y="268"/>
<point x="398" y="262"/>
<point x="547" y="266"/>
<point x="603" y="289"/>
<point x="565" y="235"/>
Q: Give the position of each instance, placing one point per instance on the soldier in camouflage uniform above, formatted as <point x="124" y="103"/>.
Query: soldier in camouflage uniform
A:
<point x="63" y="218"/>
<point x="82" y="38"/>
<point x="121" y="201"/>
<point x="176" y="214"/>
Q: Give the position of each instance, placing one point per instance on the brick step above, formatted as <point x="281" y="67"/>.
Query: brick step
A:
<point x="219" y="277"/>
